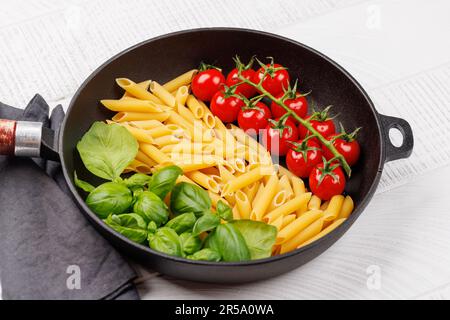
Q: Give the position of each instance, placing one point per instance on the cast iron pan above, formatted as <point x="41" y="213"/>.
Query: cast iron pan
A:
<point x="165" y="57"/>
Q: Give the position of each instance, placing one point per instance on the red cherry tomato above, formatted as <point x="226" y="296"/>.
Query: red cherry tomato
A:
<point x="226" y="106"/>
<point x="253" y="118"/>
<point x="321" y="122"/>
<point x="278" y="135"/>
<point x="275" y="81"/>
<point x="327" y="180"/>
<point x="207" y="82"/>
<point x="303" y="157"/>
<point x="346" y="145"/>
<point x="245" y="89"/>
<point x="298" y="104"/>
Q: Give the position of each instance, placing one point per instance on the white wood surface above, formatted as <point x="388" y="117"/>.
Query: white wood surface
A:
<point x="398" y="50"/>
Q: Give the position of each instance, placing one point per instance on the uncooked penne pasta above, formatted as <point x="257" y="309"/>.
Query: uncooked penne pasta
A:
<point x="137" y="116"/>
<point x="159" y="131"/>
<point x="196" y="108"/>
<point x="182" y="80"/>
<point x="262" y="199"/>
<point x="287" y="208"/>
<point x="208" y="117"/>
<point x="298" y="225"/>
<point x="279" y="199"/>
<point x="154" y="153"/>
<point x="243" y="180"/>
<point x="287" y="220"/>
<point x="131" y="105"/>
<point x="285" y="184"/>
<point x="309" y="232"/>
<point x="140" y="134"/>
<point x="182" y="95"/>
<point x="334" y="208"/>
<point x="251" y="191"/>
<point x="142" y="157"/>
<point x="144" y="85"/>
<point x="215" y="198"/>
<point x="136" y="90"/>
<point x="146" y="124"/>
<point x="299" y="188"/>
<point x="166" y="140"/>
<point x="324" y="232"/>
<point x="205" y="181"/>
<point x="236" y="215"/>
<point x="243" y="204"/>
<point x="162" y="94"/>
<point x="314" y="203"/>
<point x="347" y="208"/>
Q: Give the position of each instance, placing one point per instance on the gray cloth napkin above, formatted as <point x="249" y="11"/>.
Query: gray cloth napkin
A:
<point x="48" y="250"/>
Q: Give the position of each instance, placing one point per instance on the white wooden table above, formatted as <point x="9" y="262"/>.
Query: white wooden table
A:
<point x="398" y="50"/>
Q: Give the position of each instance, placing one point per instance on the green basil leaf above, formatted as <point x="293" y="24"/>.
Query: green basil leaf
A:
<point x="206" y="222"/>
<point x="106" y="149"/>
<point x="182" y="223"/>
<point x="187" y="197"/>
<point x="224" y="211"/>
<point x="167" y="241"/>
<point x="205" y="254"/>
<point x="229" y="242"/>
<point x="109" y="197"/>
<point x="152" y="227"/>
<point x="137" y="180"/>
<point x="259" y="237"/>
<point x="83" y="185"/>
<point x="190" y="243"/>
<point x="130" y="225"/>
<point x="149" y="206"/>
<point x="164" y="180"/>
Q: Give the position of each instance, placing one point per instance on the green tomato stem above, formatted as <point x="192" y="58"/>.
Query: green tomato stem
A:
<point x="303" y="122"/>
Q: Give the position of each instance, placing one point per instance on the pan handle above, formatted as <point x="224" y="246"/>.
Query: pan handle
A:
<point x="27" y="139"/>
<point x="403" y="151"/>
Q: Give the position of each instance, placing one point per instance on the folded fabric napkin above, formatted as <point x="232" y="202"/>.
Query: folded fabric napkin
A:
<point x="48" y="250"/>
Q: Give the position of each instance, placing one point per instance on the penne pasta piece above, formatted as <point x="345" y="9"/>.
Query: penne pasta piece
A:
<point x="287" y="220"/>
<point x="324" y="232"/>
<point x="195" y="107"/>
<point x="243" y="204"/>
<point x="314" y="203"/>
<point x="237" y="164"/>
<point x="287" y="208"/>
<point x="141" y="167"/>
<point x="263" y="198"/>
<point x="166" y="140"/>
<point x="203" y="180"/>
<point x="131" y="105"/>
<point x="299" y="188"/>
<point x="285" y="184"/>
<point x="175" y="118"/>
<point x="282" y="171"/>
<point x="216" y="178"/>
<point x="310" y="231"/>
<point x="258" y="196"/>
<point x="278" y="200"/>
<point x="182" y="80"/>
<point x="136" y="90"/>
<point x="140" y="134"/>
<point x="138" y="116"/>
<point x="347" y="208"/>
<point x="334" y="208"/>
<point x="189" y="167"/>
<point x="159" y="131"/>
<point x="154" y="153"/>
<point x="144" y="85"/>
<point x="277" y="223"/>
<point x="243" y="180"/>
<point x="181" y="95"/>
<point x="298" y="225"/>
<point x="208" y="117"/>
<point x="146" y="124"/>
<point x="142" y="157"/>
<point x="251" y="190"/>
<point x="162" y="94"/>
<point x="225" y="174"/>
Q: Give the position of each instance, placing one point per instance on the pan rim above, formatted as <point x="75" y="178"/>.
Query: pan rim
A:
<point x="343" y="227"/>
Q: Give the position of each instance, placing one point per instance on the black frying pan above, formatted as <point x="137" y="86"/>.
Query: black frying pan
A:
<point x="165" y="57"/>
